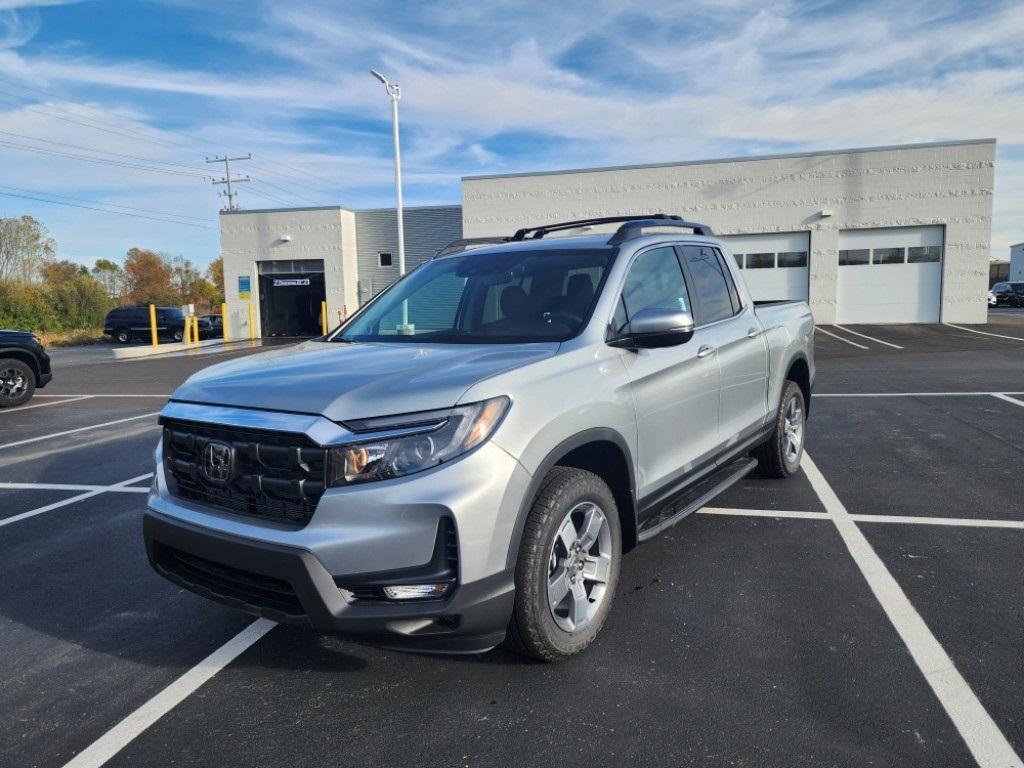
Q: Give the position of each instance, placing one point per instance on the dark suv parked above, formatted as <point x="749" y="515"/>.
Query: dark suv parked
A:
<point x="1009" y="294"/>
<point x="24" y="366"/>
<point x="127" y="324"/>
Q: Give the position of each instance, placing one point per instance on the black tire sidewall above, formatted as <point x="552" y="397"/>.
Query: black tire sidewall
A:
<point x="30" y="383"/>
<point x="790" y="391"/>
<point x="122" y="332"/>
<point x="571" y="487"/>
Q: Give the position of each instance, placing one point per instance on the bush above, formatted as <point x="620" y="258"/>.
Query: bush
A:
<point x="76" y="302"/>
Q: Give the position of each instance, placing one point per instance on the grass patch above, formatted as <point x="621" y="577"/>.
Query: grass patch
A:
<point x="80" y="337"/>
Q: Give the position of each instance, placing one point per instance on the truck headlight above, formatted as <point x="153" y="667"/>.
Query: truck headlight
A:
<point x="429" y="439"/>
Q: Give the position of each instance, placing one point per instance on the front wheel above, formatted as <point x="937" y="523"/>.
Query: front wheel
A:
<point x="568" y="566"/>
<point x="178" y="334"/>
<point x="123" y="336"/>
<point x="779" y="456"/>
<point x="17" y="383"/>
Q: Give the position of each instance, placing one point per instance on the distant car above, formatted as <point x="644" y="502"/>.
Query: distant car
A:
<point x="216" y="322"/>
<point x="127" y="324"/>
<point x="24" y="367"/>
<point x="1009" y="294"/>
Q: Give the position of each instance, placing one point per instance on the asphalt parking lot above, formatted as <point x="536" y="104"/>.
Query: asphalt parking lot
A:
<point x="869" y="611"/>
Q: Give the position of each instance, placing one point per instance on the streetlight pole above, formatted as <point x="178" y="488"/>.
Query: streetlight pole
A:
<point x="395" y="92"/>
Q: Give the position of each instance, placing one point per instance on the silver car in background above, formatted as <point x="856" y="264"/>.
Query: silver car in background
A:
<point x="465" y="461"/>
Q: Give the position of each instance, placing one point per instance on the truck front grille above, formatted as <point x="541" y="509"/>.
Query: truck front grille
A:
<point x="277" y="476"/>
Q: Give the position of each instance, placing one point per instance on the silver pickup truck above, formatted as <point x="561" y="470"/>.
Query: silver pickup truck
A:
<point x="465" y="460"/>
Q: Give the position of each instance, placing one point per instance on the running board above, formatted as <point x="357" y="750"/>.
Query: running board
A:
<point x="697" y="496"/>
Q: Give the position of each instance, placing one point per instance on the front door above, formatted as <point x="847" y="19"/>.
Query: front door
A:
<point x="675" y="389"/>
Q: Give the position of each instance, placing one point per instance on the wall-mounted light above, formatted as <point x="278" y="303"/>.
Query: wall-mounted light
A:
<point x="285" y="238"/>
<point x="824" y="213"/>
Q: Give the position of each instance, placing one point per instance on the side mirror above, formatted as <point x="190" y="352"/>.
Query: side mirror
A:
<point x="651" y="328"/>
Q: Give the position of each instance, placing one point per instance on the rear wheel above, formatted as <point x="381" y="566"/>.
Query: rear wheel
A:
<point x="17" y="382"/>
<point x="568" y="566"/>
<point x="780" y="455"/>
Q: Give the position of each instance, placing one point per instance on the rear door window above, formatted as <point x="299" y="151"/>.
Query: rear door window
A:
<point x="712" y="285"/>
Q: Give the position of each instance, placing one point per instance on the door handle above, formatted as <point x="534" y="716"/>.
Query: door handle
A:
<point x="705" y="351"/>
<point x="753" y="333"/>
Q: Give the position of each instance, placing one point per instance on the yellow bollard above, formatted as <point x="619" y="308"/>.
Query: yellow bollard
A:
<point x="323" y="316"/>
<point x="224" y="320"/>
<point x="252" y="322"/>
<point x="152" y="325"/>
<point x="195" y="329"/>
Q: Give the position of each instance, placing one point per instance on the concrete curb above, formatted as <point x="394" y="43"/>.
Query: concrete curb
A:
<point x="129" y="353"/>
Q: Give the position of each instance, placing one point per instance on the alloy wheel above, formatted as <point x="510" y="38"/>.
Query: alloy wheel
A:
<point x="12" y="383"/>
<point x="793" y="438"/>
<point x="579" y="567"/>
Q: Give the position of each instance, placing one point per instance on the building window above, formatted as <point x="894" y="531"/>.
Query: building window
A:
<point x="384" y="258"/>
<point x="853" y="257"/>
<point x="793" y="259"/>
<point x="739" y="259"/>
<point x="924" y="253"/>
<point x="888" y="256"/>
<point x="760" y="260"/>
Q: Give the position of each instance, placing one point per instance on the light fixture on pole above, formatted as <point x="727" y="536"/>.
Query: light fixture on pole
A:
<point x="395" y="92"/>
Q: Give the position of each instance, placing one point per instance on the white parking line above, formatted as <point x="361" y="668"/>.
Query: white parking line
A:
<point x="1007" y="398"/>
<point x="72" y="500"/>
<point x="816" y="395"/>
<point x="78" y="429"/>
<point x="905" y="519"/>
<point x="982" y="736"/>
<point x="869" y="338"/>
<point x="118" y="737"/>
<point x="984" y="333"/>
<point x="70" y="399"/>
<point x="103" y="395"/>
<point x="837" y="336"/>
<point x="65" y="487"/>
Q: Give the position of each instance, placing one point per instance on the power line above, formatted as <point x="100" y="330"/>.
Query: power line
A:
<point x="109" y="205"/>
<point x="288" y="192"/>
<point x="98" y="160"/>
<point x="227" y="177"/>
<point x="104" y="210"/>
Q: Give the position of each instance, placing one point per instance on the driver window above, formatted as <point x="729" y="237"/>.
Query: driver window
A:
<point x="655" y="281"/>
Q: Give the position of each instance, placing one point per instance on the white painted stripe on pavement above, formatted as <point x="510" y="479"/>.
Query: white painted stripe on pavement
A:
<point x="67" y="487"/>
<point x="118" y="737"/>
<point x="78" y="429"/>
<point x="1007" y="398"/>
<point x="764" y="513"/>
<point x="72" y="500"/>
<point x="69" y="399"/>
<point x="982" y="736"/>
<point x="837" y="336"/>
<point x="816" y="395"/>
<point x="869" y="338"/>
<point x="968" y="522"/>
<point x="104" y="395"/>
<point x="984" y="333"/>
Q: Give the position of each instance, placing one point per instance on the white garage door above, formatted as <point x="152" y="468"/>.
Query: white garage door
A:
<point x="890" y="275"/>
<point x="774" y="265"/>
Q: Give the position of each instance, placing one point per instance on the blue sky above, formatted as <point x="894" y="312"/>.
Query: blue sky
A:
<point x="150" y="89"/>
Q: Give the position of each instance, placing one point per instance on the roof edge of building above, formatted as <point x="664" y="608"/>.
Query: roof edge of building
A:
<point x="741" y="159"/>
<point x="449" y="206"/>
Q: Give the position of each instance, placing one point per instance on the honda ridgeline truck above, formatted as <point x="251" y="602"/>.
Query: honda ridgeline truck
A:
<point x="466" y="460"/>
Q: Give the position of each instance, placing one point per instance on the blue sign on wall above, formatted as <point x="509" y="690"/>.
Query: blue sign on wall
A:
<point x="244" y="287"/>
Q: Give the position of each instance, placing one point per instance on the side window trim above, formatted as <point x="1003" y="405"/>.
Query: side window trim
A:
<point x="625" y="276"/>
<point x="699" y="320"/>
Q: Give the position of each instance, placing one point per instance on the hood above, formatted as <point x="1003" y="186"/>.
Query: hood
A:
<point x="353" y="381"/>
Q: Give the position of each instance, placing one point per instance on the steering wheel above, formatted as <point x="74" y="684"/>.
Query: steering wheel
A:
<point x="563" y="317"/>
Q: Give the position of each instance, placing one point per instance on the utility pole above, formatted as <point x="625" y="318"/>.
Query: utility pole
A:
<point x="227" y="177"/>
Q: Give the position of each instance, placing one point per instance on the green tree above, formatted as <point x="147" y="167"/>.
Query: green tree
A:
<point x="25" y="246"/>
<point x="215" y="274"/>
<point x="110" y="275"/>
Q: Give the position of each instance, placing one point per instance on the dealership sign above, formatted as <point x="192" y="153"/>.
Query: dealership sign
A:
<point x="292" y="281"/>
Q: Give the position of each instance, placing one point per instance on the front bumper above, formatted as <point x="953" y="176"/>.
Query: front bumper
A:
<point x="291" y="586"/>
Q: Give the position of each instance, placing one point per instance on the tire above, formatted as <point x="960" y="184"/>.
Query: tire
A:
<point x="123" y="335"/>
<point x="178" y="334"/>
<point x="17" y="382"/>
<point x="554" y="527"/>
<point x="779" y="456"/>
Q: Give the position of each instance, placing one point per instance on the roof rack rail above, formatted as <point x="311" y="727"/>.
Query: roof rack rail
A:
<point x="464" y="244"/>
<point x="629" y="229"/>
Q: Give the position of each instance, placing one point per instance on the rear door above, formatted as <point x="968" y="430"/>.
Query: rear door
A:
<point x="675" y="389"/>
<point x="734" y="334"/>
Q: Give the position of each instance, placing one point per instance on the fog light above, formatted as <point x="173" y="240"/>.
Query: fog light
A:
<point x="417" y="591"/>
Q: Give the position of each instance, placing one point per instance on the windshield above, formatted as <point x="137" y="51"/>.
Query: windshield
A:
<point x="505" y="297"/>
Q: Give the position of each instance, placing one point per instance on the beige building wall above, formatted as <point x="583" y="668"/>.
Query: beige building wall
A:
<point x="948" y="183"/>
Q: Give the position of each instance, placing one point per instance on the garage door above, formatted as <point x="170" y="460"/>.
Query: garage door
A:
<point x="774" y="265"/>
<point x="890" y="275"/>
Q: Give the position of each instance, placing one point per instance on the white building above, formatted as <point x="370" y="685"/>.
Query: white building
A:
<point x="878" y="235"/>
<point x="285" y="262"/>
<point x="1017" y="261"/>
